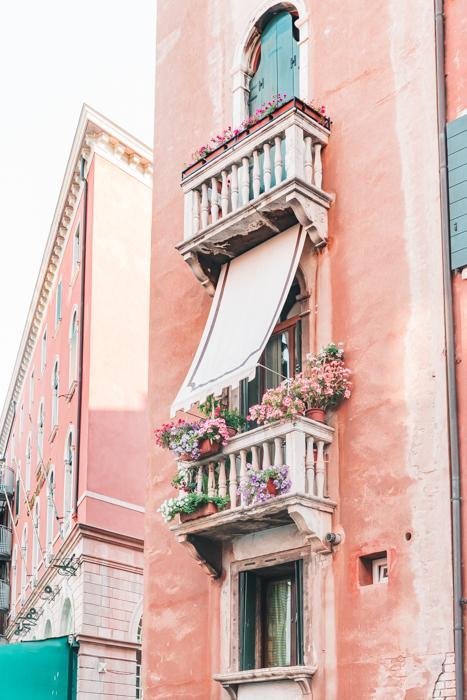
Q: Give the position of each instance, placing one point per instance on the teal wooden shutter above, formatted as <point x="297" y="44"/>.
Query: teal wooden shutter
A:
<point x="278" y="66"/>
<point x="457" y="170"/>
<point x="299" y="605"/>
<point x="247" y="585"/>
<point x="17" y="497"/>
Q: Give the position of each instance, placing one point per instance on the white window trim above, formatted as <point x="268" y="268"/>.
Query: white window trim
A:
<point x="377" y="567"/>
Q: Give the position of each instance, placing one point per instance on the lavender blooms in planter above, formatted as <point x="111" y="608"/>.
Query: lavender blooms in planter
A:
<point x="259" y="485"/>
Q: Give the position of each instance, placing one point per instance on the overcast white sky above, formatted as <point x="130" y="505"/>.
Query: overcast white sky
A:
<point x="55" y="55"/>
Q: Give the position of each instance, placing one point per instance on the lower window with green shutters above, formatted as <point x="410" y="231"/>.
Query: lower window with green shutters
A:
<point x="271" y="616"/>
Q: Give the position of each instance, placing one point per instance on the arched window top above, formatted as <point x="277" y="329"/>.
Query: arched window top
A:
<point x="69" y="447"/>
<point x="66" y="620"/>
<point x="40" y="416"/>
<point x="55" y="375"/>
<point x="73" y="331"/>
<point x="48" y="629"/>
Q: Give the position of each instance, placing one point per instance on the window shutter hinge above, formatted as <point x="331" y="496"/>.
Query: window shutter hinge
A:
<point x="293" y="61"/>
<point x="261" y="84"/>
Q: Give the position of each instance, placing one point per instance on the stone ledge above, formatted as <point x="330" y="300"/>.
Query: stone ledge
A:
<point x="302" y="675"/>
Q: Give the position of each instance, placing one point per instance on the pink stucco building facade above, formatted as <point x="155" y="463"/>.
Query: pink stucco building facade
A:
<point x="73" y="432"/>
<point x="366" y="194"/>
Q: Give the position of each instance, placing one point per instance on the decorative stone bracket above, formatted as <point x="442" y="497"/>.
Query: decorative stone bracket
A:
<point x="302" y="675"/>
<point x="312" y="216"/>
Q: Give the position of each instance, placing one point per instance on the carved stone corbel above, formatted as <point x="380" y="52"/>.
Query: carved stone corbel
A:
<point x="306" y="523"/>
<point x="199" y="273"/>
<point x="312" y="216"/>
<point x="207" y="554"/>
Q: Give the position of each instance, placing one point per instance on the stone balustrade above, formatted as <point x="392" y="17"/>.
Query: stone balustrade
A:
<point x="300" y="444"/>
<point x="260" y="183"/>
<point x="4" y="596"/>
<point x="7" y="481"/>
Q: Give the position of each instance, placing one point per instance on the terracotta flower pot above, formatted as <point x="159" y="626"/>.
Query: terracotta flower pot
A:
<point x="318" y="414"/>
<point x="231" y="431"/>
<point x="271" y="488"/>
<point x="184" y="457"/>
<point x="202" y="512"/>
<point x="208" y="448"/>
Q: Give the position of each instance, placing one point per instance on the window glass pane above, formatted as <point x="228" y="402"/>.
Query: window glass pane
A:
<point x="277" y="360"/>
<point x="278" y="623"/>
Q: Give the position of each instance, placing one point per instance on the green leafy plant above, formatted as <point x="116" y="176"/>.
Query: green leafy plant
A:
<point x="213" y="408"/>
<point x="189" y="503"/>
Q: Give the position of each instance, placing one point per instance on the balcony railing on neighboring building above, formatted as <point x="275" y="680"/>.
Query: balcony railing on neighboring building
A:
<point x="4" y="596"/>
<point x="256" y="185"/>
<point x="5" y="542"/>
<point x="301" y="444"/>
<point x="7" y="481"/>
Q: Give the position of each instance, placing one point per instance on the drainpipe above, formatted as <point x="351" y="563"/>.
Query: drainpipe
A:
<point x="81" y="332"/>
<point x="450" y="358"/>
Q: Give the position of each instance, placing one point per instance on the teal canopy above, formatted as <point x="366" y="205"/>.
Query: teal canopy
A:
<point x="39" y="670"/>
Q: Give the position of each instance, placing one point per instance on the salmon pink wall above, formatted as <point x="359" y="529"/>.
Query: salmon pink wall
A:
<point x="116" y="376"/>
<point x="372" y="65"/>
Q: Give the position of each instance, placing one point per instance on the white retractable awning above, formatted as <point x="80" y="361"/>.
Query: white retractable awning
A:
<point x="250" y="294"/>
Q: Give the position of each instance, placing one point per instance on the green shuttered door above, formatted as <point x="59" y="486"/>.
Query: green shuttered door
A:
<point x="278" y="67"/>
<point x="247" y="620"/>
<point x="457" y="169"/>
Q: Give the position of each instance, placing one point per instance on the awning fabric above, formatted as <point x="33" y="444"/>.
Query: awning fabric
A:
<point x="249" y="297"/>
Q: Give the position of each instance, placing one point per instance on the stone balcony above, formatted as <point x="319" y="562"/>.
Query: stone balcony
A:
<point x="5" y="542"/>
<point x="302" y="445"/>
<point x="255" y="186"/>
<point x="7" y="482"/>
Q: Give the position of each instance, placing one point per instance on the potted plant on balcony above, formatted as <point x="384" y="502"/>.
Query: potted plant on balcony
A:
<point x="323" y="384"/>
<point x="181" y="438"/>
<point x="261" y="485"/>
<point x="212" y="407"/>
<point x="192" y="440"/>
<point x="191" y="506"/>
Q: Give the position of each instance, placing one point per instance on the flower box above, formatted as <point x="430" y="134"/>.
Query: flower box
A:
<point x="202" y="512"/>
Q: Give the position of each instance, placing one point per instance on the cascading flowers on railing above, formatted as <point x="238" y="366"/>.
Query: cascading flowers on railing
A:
<point x="189" y="440"/>
<point x="262" y="111"/>
<point x="323" y="384"/>
<point x="260" y="485"/>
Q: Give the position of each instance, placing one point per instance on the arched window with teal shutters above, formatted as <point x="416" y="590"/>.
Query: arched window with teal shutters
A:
<point x="278" y="64"/>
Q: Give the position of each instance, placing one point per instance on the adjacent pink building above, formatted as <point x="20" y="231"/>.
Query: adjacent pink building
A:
<point x="73" y="432"/>
<point x="289" y="233"/>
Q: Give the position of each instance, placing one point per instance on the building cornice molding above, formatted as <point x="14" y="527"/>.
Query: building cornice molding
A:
<point x="95" y="134"/>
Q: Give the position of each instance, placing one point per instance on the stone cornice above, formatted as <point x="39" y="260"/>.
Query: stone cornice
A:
<point x="94" y="134"/>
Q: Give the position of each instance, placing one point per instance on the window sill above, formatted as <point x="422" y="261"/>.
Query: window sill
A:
<point x="71" y="390"/>
<point x="302" y="675"/>
<point x="53" y="433"/>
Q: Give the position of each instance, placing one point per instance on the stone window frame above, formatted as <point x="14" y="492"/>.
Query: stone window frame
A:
<point x="261" y="562"/>
<point x="247" y="48"/>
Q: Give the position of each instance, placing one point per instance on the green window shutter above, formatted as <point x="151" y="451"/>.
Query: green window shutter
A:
<point x="278" y="66"/>
<point x="17" y="495"/>
<point x="456" y="132"/>
<point x="247" y="583"/>
<point x="299" y="603"/>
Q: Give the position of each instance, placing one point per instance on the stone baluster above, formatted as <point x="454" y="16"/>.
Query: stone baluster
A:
<point x="256" y="175"/>
<point x="243" y="471"/>
<point x="225" y="193"/>
<point x="222" y="485"/>
<point x="310" y="467"/>
<point x="267" y="167"/>
<point x="204" y="205"/>
<point x="199" y="479"/>
<point x="318" y="167"/>
<point x="245" y="180"/>
<point x="234" y="187"/>
<point x="266" y="456"/>
<point x="214" y="200"/>
<point x="278" y="460"/>
<point x="320" y="470"/>
<point x="255" y="458"/>
<point x="233" y="481"/>
<point x="278" y="162"/>
<point x="211" y="480"/>
<point x="195" y="211"/>
<point x="308" y="161"/>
